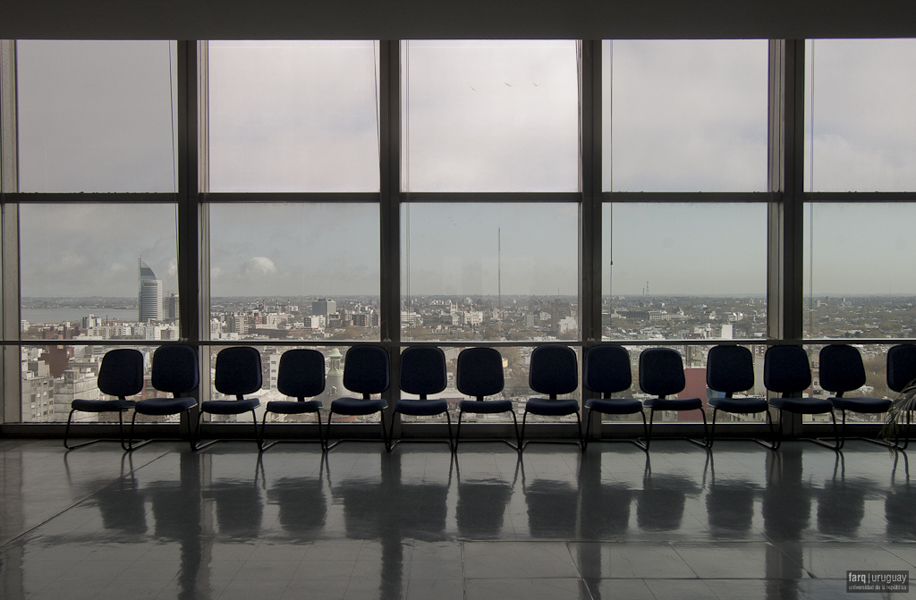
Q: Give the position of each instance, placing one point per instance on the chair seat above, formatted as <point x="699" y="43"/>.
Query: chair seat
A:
<point x="739" y="405"/>
<point x="102" y="405"/>
<point x="674" y="404"/>
<point x="805" y="406"/>
<point x="485" y="407"/>
<point x="230" y="407"/>
<point x="164" y="406"/>
<point x="614" y="406"/>
<point x="862" y="404"/>
<point x="357" y="406"/>
<point x="293" y="407"/>
<point x="421" y="407"/>
<point x="553" y="408"/>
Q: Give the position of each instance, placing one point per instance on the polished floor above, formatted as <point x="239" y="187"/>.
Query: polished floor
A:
<point x="738" y="522"/>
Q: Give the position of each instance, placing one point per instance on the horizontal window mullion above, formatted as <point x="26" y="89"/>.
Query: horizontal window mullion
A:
<point x="318" y="197"/>
<point x="659" y="197"/>
<point x="430" y="197"/>
<point x="90" y="198"/>
<point x="837" y="197"/>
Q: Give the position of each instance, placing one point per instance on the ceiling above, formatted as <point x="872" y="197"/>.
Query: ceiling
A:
<point x="465" y="19"/>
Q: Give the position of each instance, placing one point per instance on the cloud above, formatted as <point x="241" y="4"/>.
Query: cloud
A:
<point x="259" y="266"/>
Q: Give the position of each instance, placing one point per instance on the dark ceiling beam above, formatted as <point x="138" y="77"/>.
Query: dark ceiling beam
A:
<point x="443" y="19"/>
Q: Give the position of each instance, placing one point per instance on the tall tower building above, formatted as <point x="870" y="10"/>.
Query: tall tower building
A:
<point x="150" y="295"/>
<point x="324" y="307"/>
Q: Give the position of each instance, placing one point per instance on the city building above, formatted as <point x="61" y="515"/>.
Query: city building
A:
<point x="150" y="295"/>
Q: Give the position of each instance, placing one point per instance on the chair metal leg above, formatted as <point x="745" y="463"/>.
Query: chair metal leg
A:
<point x="389" y="445"/>
<point x="257" y="433"/>
<point x="712" y="430"/>
<point x="588" y="424"/>
<point x="384" y="433"/>
<point x="515" y="446"/>
<point x="705" y="442"/>
<point x="458" y="432"/>
<point x="771" y="444"/>
<point x="67" y="436"/>
<point x="448" y="420"/>
<point x="579" y="428"/>
<point x="651" y="422"/>
<point x="265" y="445"/>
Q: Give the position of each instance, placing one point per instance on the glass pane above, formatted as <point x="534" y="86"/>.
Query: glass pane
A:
<point x="860" y="116"/>
<point x="874" y="359"/>
<point x="684" y="271"/>
<point x="97" y="116"/>
<point x="294" y="271"/>
<point x="685" y="116"/>
<point x="858" y="259"/>
<point x="490" y="116"/>
<point x="293" y="116"/>
<point x="335" y="360"/>
<point x="489" y="271"/>
<point x="54" y="376"/>
<point x="98" y="271"/>
<point x="516" y="361"/>
<point x="694" y="359"/>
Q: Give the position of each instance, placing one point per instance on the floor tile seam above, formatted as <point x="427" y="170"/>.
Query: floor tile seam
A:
<point x="73" y="505"/>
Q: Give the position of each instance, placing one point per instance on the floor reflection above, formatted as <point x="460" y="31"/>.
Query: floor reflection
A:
<point x="417" y="522"/>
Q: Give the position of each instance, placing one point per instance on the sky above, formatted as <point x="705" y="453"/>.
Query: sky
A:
<point x="478" y="116"/>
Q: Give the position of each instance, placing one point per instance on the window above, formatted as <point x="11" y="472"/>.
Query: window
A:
<point x="98" y="271"/>
<point x="97" y="116"/>
<point x="489" y="272"/>
<point x="300" y="271"/>
<point x="860" y="119"/>
<point x="293" y="116"/>
<point x="490" y="116"/>
<point x="685" y="116"/>
<point x="684" y="271"/>
<point x="857" y="261"/>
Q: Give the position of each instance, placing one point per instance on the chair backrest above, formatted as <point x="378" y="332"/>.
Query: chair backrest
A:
<point x="423" y="371"/>
<point x="300" y="373"/>
<point x="480" y="372"/>
<point x="786" y="369"/>
<point x="661" y="372"/>
<point x="175" y="369"/>
<point x="238" y="371"/>
<point x="841" y="369"/>
<point x="729" y="369"/>
<point x="121" y="373"/>
<point x="554" y="370"/>
<point x="901" y="366"/>
<point x="366" y="370"/>
<point x="606" y="369"/>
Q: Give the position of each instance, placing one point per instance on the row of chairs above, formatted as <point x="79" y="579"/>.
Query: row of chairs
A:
<point x="553" y="372"/>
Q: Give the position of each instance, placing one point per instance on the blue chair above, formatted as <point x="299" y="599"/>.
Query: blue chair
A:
<point x="730" y="369"/>
<point x="606" y="370"/>
<point x="120" y="375"/>
<point x="661" y="374"/>
<point x="479" y="374"/>
<point x="554" y="370"/>
<point x="423" y="372"/>
<point x="300" y="375"/>
<point x="901" y="377"/>
<point x="238" y="372"/>
<point x="786" y="371"/>
<point x="366" y="372"/>
<point x="175" y="370"/>
<point x="842" y="371"/>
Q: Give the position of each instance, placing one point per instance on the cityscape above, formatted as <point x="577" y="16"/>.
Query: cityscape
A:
<point x="54" y="373"/>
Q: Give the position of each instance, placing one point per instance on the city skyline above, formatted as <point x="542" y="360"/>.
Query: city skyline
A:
<point x="858" y="138"/>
